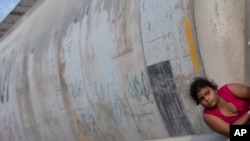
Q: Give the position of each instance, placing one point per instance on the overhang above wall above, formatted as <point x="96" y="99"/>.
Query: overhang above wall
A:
<point x="22" y="7"/>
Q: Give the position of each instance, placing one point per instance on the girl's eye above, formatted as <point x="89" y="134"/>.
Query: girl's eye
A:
<point x="201" y="99"/>
<point x="208" y="92"/>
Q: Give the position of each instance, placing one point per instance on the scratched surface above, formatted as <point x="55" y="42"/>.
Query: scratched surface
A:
<point x="170" y="52"/>
<point x="168" y="101"/>
<point x="90" y="70"/>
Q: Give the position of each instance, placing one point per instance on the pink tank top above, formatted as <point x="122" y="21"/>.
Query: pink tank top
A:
<point x="240" y="104"/>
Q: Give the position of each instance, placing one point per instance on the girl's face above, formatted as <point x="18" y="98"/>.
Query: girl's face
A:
<point x="208" y="97"/>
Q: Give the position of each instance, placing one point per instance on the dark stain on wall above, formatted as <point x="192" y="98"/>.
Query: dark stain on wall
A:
<point x="168" y="101"/>
<point x="4" y="82"/>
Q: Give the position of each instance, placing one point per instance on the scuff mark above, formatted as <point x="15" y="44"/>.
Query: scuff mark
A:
<point x="163" y="36"/>
<point x="81" y="129"/>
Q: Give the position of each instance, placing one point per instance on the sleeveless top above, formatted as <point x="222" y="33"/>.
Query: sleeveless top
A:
<point x="227" y="95"/>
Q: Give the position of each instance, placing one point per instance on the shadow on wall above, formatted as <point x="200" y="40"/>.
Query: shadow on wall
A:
<point x="202" y="137"/>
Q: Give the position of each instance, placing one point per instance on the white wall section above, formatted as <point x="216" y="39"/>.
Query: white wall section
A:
<point x="91" y="70"/>
<point x="220" y="31"/>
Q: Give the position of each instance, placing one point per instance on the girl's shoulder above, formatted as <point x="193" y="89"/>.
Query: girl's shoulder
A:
<point x="237" y="89"/>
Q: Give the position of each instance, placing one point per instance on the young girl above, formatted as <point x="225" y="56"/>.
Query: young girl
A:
<point x="224" y="106"/>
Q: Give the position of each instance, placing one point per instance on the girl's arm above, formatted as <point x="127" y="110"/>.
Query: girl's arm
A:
<point x="216" y="124"/>
<point x="222" y="127"/>
<point x="240" y="90"/>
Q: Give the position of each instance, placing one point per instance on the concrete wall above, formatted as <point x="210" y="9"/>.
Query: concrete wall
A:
<point x="247" y="42"/>
<point x="221" y="33"/>
<point x="91" y="70"/>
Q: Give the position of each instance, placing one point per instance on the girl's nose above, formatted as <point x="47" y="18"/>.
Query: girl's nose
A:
<point x="206" y="98"/>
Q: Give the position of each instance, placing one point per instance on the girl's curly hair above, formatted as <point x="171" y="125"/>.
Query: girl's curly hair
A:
<point x="198" y="84"/>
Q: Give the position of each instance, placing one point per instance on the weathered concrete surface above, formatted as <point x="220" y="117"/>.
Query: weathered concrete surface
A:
<point x="221" y="33"/>
<point x="203" y="137"/>
<point x="91" y="70"/>
<point x="247" y="43"/>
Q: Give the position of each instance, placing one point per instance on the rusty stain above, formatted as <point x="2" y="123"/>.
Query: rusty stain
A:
<point x="65" y="93"/>
<point x="126" y="51"/>
<point x="25" y="100"/>
<point x="81" y="129"/>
